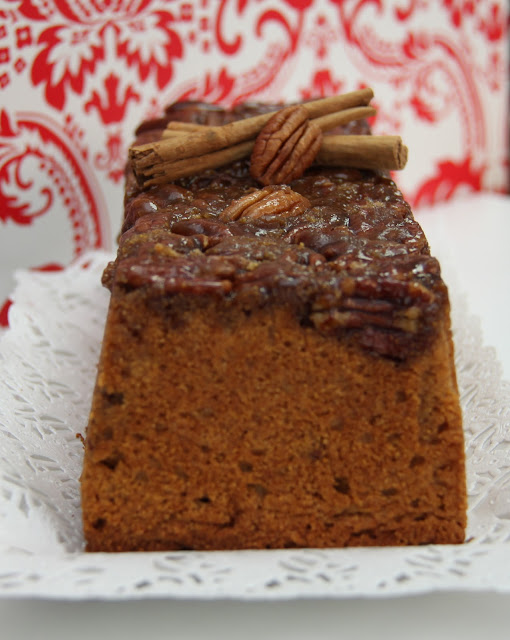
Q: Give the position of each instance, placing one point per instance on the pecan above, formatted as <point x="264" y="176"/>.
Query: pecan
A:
<point x="285" y="147"/>
<point x="270" y="201"/>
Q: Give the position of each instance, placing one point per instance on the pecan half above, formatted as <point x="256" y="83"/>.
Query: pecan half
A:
<point x="270" y="201"/>
<point x="285" y="147"/>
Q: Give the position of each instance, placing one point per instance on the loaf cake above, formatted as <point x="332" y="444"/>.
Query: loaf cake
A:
<point x="277" y="366"/>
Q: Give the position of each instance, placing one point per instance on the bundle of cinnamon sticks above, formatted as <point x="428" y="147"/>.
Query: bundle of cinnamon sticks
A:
<point x="186" y="149"/>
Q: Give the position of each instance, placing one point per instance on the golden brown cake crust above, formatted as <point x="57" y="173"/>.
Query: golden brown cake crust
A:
<point x="274" y="383"/>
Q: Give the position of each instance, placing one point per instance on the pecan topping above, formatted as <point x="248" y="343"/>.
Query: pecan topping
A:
<point x="270" y="201"/>
<point x="285" y="147"/>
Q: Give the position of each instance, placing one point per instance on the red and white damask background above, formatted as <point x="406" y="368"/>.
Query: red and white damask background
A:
<point x="76" y="76"/>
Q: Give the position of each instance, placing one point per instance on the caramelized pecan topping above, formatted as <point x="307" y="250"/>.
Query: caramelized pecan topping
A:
<point x="270" y="201"/>
<point x="285" y="147"/>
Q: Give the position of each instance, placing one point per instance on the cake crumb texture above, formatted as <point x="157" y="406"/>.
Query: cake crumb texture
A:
<point x="218" y="430"/>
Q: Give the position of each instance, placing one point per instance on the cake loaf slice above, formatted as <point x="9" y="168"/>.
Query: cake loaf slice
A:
<point x="277" y="367"/>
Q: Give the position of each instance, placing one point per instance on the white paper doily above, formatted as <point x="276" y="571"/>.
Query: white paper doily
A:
<point x="47" y="371"/>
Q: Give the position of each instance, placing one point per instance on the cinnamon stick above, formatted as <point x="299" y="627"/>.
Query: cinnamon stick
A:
<point x="332" y="120"/>
<point x="176" y="128"/>
<point x="184" y="127"/>
<point x="323" y="106"/>
<point x="316" y="109"/>
<point x="188" y="148"/>
<point x="215" y="138"/>
<point x="324" y="122"/>
<point x="164" y="172"/>
<point x="363" y="152"/>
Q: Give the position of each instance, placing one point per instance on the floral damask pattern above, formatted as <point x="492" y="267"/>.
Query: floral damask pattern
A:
<point x="76" y="77"/>
<point x="74" y="50"/>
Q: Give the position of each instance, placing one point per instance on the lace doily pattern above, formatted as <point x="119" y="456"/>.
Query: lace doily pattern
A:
<point x="47" y="369"/>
